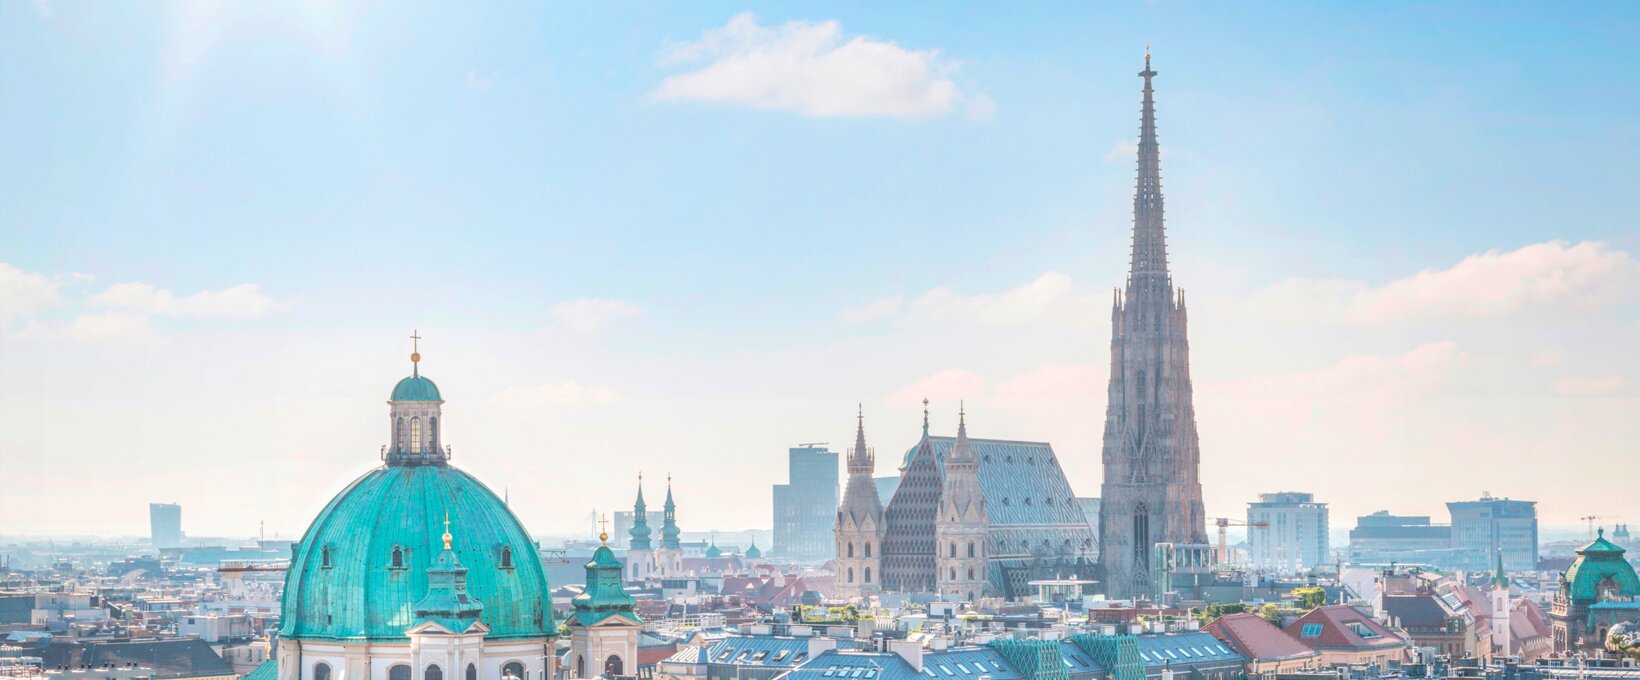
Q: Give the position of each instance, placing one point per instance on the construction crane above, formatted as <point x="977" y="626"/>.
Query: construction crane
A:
<point x="1225" y="522"/>
<point x="1591" y="518"/>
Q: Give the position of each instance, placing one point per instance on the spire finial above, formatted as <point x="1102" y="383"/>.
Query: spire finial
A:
<point x="415" y="352"/>
<point x="1147" y="53"/>
<point x="447" y="535"/>
<point x="962" y="411"/>
<point x="603" y="530"/>
<point x="925" y="416"/>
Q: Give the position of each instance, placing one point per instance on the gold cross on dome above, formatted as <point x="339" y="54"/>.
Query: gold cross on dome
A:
<point x="603" y="530"/>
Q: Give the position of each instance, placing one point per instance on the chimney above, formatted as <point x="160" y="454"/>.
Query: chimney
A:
<point x="938" y="644"/>
<point x="1107" y="629"/>
<point x="910" y="650"/>
<point x="1135" y="629"/>
<point x="800" y="630"/>
<point x="817" y="645"/>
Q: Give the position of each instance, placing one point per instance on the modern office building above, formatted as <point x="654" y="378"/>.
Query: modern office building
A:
<point x="1382" y="538"/>
<point x="621" y="537"/>
<point x="805" y="508"/>
<point x="1482" y="527"/>
<point x="1296" y="535"/>
<point x="165" y="525"/>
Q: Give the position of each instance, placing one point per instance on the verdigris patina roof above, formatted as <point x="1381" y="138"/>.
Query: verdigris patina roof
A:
<point x="416" y="388"/>
<point x="344" y="584"/>
<point x="1601" y="561"/>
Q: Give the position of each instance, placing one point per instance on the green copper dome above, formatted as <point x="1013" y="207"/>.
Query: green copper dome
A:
<point x="344" y="582"/>
<point x="416" y="388"/>
<point x="1600" y="569"/>
<point x="753" y="552"/>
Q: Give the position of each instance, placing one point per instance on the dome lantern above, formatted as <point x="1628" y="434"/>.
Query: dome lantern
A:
<point x="414" y="415"/>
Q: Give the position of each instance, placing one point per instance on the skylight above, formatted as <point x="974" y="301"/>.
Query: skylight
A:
<point x="1310" y="630"/>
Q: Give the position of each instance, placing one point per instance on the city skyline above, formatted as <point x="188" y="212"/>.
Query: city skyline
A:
<point x="691" y="271"/>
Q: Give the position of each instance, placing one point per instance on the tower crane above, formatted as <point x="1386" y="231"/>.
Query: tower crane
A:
<point x="1225" y="522"/>
<point x="1591" y="518"/>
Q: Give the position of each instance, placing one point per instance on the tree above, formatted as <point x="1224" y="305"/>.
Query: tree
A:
<point x="1308" y="598"/>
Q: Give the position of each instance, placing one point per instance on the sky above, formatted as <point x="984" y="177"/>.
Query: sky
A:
<point x="679" y="238"/>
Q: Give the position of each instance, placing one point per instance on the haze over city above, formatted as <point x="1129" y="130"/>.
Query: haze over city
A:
<point x="681" y="238"/>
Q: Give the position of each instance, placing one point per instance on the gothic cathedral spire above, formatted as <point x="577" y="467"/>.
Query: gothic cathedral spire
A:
<point x="1152" y="491"/>
<point x="859" y="528"/>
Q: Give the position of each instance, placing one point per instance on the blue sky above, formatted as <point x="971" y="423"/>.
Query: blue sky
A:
<point x="634" y="240"/>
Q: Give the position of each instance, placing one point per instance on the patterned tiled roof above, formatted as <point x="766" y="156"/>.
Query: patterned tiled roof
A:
<point x="1256" y="638"/>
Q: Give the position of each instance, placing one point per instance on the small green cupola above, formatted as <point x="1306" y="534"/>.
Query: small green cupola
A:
<point x="639" y="533"/>
<point x="605" y="595"/>
<point x="414" y="415"/>
<point x="713" y="551"/>
<point x="1600" y="573"/>
<point x="752" y="552"/>
<point x="447" y="603"/>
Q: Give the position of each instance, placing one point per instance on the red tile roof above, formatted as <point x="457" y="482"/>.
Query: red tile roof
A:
<point x="1337" y="630"/>
<point x="1256" y="638"/>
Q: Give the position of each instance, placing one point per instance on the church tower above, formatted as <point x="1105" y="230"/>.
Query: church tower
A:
<point x="640" y="554"/>
<point x="1152" y="489"/>
<point x="860" y="523"/>
<point x="1500" y="608"/>
<point x="603" y="627"/>
<point x="963" y="523"/>
<point x="669" y="559"/>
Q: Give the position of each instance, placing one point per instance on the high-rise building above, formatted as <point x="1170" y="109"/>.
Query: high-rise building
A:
<point x="1480" y="528"/>
<point x="1293" y="535"/>
<point x="805" y="508"/>
<point x="1152" y="490"/>
<point x="165" y="525"/>
<point x="1382" y="538"/>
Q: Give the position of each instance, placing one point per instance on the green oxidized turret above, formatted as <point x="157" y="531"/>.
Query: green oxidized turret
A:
<point x="447" y="602"/>
<point x="753" y="552"/>
<point x="604" y="596"/>
<point x="640" y="522"/>
<point x="669" y="520"/>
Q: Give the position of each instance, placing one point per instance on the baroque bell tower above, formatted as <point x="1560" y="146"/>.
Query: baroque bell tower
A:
<point x="1152" y="489"/>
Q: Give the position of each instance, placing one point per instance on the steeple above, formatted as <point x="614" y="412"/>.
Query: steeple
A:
<point x="669" y="520"/>
<point x="961" y="452"/>
<point x="860" y="458"/>
<point x="1148" y="270"/>
<point x="639" y="532"/>
<point x="1499" y="578"/>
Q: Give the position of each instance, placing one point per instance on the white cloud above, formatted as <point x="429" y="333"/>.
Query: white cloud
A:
<point x="591" y="315"/>
<point x="947" y="385"/>
<point x="1489" y="284"/>
<point x="567" y="393"/>
<point x="93" y="328"/>
<point x="873" y="310"/>
<point x="1589" y="387"/>
<point x="1025" y="303"/>
<point x="245" y="301"/>
<point x="24" y="294"/>
<point x="814" y="69"/>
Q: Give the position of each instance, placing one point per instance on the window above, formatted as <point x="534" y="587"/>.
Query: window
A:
<point x="868" y="548"/>
<point x="472" y="672"/>
<point x="613" y="666"/>
<point x="415" y="435"/>
<point x="970" y="573"/>
<point x="1362" y="630"/>
<point x="398" y="435"/>
<point x="1310" y="630"/>
<point x="970" y="548"/>
<point x="432" y="432"/>
<point x="580" y="666"/>
<point x="851" y="574"/>
<point x="398" y="557"/>
<point x="946" y="669"/>
<point x="953" y="573"/>
<point x="953" y="548"/>
<point x="868" y="574"/>
<point x="850" y="549"/>
<point x="964" y="669"/>
<point x="324" y="557"/>
<point x="321" y="671"/>
<point x="506" y="557"/>
<point x="399" y="672"/>
<point x="432" y="672"/>
<point x="513" y="669"/>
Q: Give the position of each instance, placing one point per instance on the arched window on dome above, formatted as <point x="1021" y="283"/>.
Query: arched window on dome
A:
<point x="398" y="557"/>
<point x="324" y="557"/>
<point x="432" y="672"/>
<point x="513" y="669"/>
<point x="399" y="672"/>
<point x="506" y="557"/>
<point x="321" y="671"/>
<point x="472" y="672"/>
<point x="415" y="435"/>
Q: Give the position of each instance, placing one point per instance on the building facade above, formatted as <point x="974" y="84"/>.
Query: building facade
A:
<point x="1482" y="527"/>
<point x="603" y="625"/>
<point x="1382" y="538"/>
<point x="165" y="525"/>
<point x="1152" y="491"/>
<point x="1597" y="592"/>
<point x="859" y="531"/>
<point x="805" y="506"/>
<point x="1034" y="527"/>
<point x="1296" y="535"/>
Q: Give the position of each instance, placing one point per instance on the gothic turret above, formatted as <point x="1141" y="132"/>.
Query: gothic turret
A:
<point x="1152" y="490"/>
<point x="859" y="528"/>
<point x="963" y="523"/>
